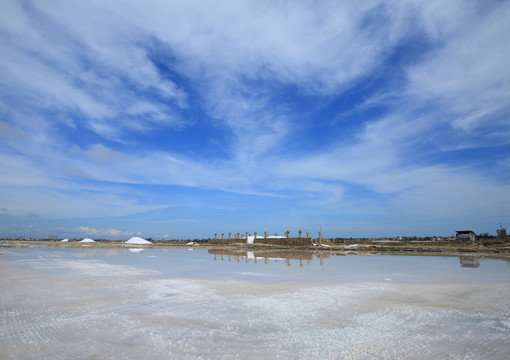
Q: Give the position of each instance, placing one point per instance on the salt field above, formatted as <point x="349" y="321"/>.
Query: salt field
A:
<point x="219" y="304"/>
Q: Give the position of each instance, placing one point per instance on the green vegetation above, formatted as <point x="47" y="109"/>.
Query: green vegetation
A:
<point x="492" y="242"/>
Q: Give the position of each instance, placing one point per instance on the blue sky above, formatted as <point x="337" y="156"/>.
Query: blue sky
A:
<point x="184" y="119"/>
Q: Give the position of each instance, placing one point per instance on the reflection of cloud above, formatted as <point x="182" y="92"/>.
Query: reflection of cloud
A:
<point x="95" y="253"/>
<point x="253" y="274"/>
<point x="84" y="268"/>
<point x="111" y="252"/>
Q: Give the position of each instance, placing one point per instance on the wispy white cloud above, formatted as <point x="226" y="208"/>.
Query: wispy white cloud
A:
<point x="91" y="83"/>
<point x="468" y="76"/>
<point x="90" y="231"/>
<point x="10" y="132"/>
<point x="57" y="62"/>
<point x="55" y="202"/>
<point x="99" y="152"/>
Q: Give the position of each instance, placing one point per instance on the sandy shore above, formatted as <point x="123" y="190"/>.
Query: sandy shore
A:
<point x="104" y="311"/>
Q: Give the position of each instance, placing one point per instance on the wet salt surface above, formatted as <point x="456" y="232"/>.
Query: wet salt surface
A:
<point x="98" y="303"/>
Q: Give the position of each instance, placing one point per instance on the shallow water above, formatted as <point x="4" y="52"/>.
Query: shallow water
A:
<point x="268" y="266"/>
<point x="181" y="304"/>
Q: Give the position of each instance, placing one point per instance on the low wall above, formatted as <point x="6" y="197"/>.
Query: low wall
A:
<point x="272" y="241"/>
<point x="226" y="241"/>
<point x="291" y="241"/>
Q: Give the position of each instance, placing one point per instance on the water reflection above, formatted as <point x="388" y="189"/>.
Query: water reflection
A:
<point x="469" y="261"/>
<point x="276" y="265"/>
<point x="265" y="256"/>
<point x="304" y="257"/>
<point x="90" y="253"/>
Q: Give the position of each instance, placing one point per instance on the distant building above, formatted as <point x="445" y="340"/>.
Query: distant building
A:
<point x="52" y="237"/>
<point x="501" y="233"/>
<point x="465" y="235"/>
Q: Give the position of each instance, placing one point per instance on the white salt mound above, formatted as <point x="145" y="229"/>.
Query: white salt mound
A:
<point x="137" y="240"/>
<point x="251" y="239"/>
<point x="65" y="240"/>
<point x="87" y="240"/>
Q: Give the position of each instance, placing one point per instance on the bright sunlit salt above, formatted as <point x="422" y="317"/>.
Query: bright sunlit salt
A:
<point x="161" y="304"/>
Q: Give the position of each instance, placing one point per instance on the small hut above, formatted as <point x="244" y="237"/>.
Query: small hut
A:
<point x="465" y="235"/>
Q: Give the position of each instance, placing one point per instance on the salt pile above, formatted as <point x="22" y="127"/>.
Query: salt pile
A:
<point x="251" y="239"/>
<point x="137" y="240"/>
<point x="65" y="240"/>
<point x="87" y="240"/>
